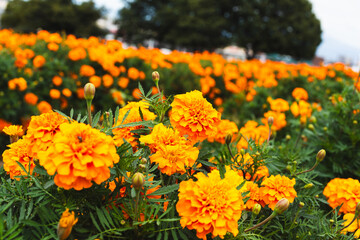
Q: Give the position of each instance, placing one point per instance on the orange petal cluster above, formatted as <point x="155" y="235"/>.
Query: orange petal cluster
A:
<point x="224" y="128"/>
<point x="194" y="116"/>
<point x="275" y="188"/>
<point x="211" y="204"/>
<point x="300" y="94"/>
<point x="354" y="227"/>
<point x="251" y="130"/>
<point x="279" y="120"/>
<point x="132" y="116"/>
<point x="343" y="191"/>
<point x="79" y="155"/>
<point x="67" y="221"/>
<point x="18" y="152"/>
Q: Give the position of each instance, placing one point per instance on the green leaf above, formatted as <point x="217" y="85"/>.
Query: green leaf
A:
<point x="165" y="190"/>
<point x="71" y="113"/>
<point x="96" y="119"/>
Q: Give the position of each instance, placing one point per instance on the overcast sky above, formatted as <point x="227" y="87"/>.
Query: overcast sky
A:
<point x="340" y="22"/>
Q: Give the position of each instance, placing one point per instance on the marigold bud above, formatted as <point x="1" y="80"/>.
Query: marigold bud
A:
<point x="313" y="119"/>
<point x="309" y="185"/>
<point x="155" y="76"/>
<point x="325" y="129"/>
<point x="320" y="155"/>
<point x="138" y="180"/>
<point x="89" y="91"/>
<point x="271" y="120"/>
<point x="228" y="139"/>
<point x="281" y="206"/>
<point x="67" y="221"/>
<point x="301" y="204"/>
<point x="242" y="151"/>
<point x="143" y="161"/>
<point x="288" y="137"/>
<point x="256" y="209"/>
<point x="311" y="127"/>
<point x="142" y="167"/>
<point x="355" y="122"/>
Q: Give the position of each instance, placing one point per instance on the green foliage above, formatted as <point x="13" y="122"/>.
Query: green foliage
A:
<point x="54" y="16"/>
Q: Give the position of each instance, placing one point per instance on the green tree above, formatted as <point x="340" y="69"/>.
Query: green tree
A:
<point x="54" y="16"/>
<point x="277" y="26"/>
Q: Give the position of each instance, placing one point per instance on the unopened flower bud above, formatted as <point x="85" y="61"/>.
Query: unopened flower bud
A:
<point x="309" y="185"/>
<point x="320" y="155"/>
<point x="142" y="166"/>
<point x="143" y="161"/>
<point x="155" y="76"/>
<point x="281" y="206"/>
<point x="256" y="209"/>
<point x="288" y="137"/>
<point x="271" y="120"/>
<point x="242" y="151"/>
<point x="355" y="122"/>
<point x="312" y="119"/>
<point x="138" y="180"/>
<point x="67" y="221"/>
<point x="301" y="204"/>
<point x="288" y="167"/>
<point x="228" y="139"/>
<point x="89" y="91"/>
<point x="325" y="129"/>
<point x="311" y="127"/>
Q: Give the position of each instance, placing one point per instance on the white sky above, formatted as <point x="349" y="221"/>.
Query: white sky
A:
<point x="340" y="22"/>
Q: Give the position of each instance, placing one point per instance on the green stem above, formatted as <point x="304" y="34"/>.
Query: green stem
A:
<point x="309" y="170"/>
<point x="88" y="103"/>
<point x="262" y="223"/>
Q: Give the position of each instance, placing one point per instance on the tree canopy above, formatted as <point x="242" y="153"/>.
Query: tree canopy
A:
<point x="54" y="16"/>
<point x="273" y="26"/>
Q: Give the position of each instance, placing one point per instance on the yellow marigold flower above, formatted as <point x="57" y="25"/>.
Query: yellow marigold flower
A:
<point x="211" y="204"/>
<point x="133" y="116"/>
<point x="13" y="130"/>
<point x="67" y="221"/>
<point x="275" y="188"/>
<point x="343" y="191"/>
<point x="194" y="116"/>
<point x="354" y="227"/>
<point x="41" y="131"/>
<point x="79" y="155"/>
<point x="224" y="128"/>
<point x="18" y="152"/>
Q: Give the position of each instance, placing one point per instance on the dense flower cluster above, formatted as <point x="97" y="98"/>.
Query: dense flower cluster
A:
<point x="225" y="127"/>
<point x="79" y="155"/>
<point x="194" y="116"/>
<point x="345" y="192"/>
<point x="211" y="204"/>
<point x="251" y="130"/>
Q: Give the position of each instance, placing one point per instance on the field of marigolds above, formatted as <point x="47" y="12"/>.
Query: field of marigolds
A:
<point x="99" y="141"/>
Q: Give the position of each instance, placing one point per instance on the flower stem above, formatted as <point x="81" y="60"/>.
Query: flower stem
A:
<point x="88" y="103"/>
<point x="262" y="223"/>
<point x="309" y="170"/>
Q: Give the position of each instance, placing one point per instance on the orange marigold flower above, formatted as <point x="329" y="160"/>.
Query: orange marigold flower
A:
<point x="44" y="107"/>
<point x="173" y="152"/>
<point x="123" y="82"/>
<point x="57" y="81"/>
<point x="67" y="221"/>
<point x="136" y="93"/>
<point x="79" y="155"/>
<point x="211" y="204"/>
<point x="17" y="83"/>
<point x="224" y="128"/>
<point x="343" y="191"/>
<point x="254" y="195"/>
<point x="300" y="94"/>
<point x="20" y="62"/>
<point x="31" y="98"/>
<point x="302" y="108"/>
<point x="96" y="80"/>
<point x="133" y="116"/>
<point x="53" y="47"/>
<point x="354" y="227"/>
<point x="87" y="71"/>
<point x="18" y="152"/>
<point x="133" y="73"/>
<point x="279" y="105"/>
<point x="54" y="93"/>
<point x="41" y="131"/>
<point x="275" y="188"/>
<point x="107" y="80"/>
<point x="117" y="96"/>
<point x="251" y="130"/>
<point x="13" y="130"/>
<point x="279" y="120"/>
<point x="3" y="124"/>
<point x="66" y="92"/>
<point x="194" y="116"/>
<point x="39" y="61"/>
<point x="77" y="54"/>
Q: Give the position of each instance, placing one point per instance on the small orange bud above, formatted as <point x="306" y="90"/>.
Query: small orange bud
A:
<point x="67" y="221"/>
<point x="281" y="206"/>
<point x="320" y="155"/>
<point x="89" y="91"/>
<point x="138" y="180"/>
